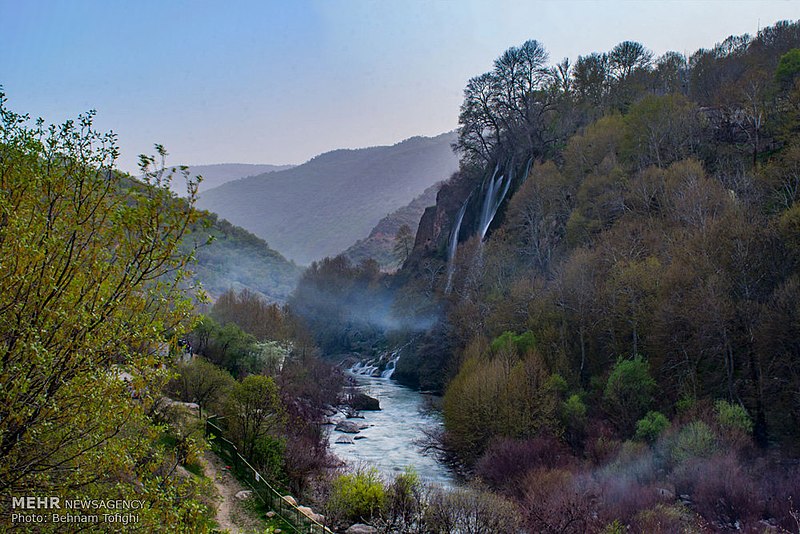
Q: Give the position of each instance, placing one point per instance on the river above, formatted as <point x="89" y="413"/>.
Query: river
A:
<point x="388" y="443"/>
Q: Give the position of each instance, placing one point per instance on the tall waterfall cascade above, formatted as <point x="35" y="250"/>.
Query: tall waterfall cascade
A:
<point x="453" y="245"/>
<point x="494" y="192"/>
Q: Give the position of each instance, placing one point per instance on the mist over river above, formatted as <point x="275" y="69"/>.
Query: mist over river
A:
<point x="389" y="442"/>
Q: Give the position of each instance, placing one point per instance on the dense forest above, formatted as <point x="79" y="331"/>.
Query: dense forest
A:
<point x="607" y="291"/>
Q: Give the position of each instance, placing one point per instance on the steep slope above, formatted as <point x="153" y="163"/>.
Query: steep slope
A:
<point x="237" y="259"/>
<point x="218" y="174"/>
<point x="321" y="207"/>
<point x="379" y="245"/>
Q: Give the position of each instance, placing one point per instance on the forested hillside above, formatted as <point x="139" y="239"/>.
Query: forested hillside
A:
<point x="106" y="366"/>
<point x="217" y="174"/>
<point x="231" y="258"/>
<point x="323" y="206"/>
<point x="389" y="243"/>
<point x="655" y="219"/>
<point x="615" y="277"/>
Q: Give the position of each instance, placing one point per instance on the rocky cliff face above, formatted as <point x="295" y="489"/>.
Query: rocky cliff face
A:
<point x="437" y="221"/>
<point x="485" y="194"/>
<point x="380" y="243"/>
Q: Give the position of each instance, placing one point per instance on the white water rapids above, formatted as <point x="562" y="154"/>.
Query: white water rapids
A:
<point x="388" y="443"/>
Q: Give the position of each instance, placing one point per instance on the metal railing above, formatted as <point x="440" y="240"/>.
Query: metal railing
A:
<point x="288" y="512"/>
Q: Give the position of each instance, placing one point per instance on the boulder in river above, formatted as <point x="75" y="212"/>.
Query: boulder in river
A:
<point x="363" y="402"/>
<point x="346" y="440"/>
<point x="349" y="427"/>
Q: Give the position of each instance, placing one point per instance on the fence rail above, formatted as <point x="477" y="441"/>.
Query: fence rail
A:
<point x="290" y="513"/>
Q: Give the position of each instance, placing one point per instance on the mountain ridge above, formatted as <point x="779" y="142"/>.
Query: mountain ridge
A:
<point x="323" y="206"/>
<point x="217" y="174"/>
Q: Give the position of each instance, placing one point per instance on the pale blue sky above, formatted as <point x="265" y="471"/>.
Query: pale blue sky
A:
<point x="281" y="81"/>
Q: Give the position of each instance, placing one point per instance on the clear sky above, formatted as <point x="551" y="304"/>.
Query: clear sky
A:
<point x="269" y="81"/>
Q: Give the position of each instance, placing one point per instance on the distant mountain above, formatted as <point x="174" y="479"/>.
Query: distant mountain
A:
<point x="218" y="174"/>
<point x="237" y="259"/>
<point x="379" y="245"/>
<point x="321" y="207"/>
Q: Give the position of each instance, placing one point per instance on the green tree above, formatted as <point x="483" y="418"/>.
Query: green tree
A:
<point x="629" y="392"/>
<point x="573" y="418"/>
<point x="661" y="130"/>
<point x="90" y="294"/>
<point x="788" y="68"/>
<point x="254" y="411"/>
<point x="358" y="496"/>
<point x="733" y="417"/>
<point x="695" y="440"/>
<point x="202" y="382"/>
<point x="651" y="426"/>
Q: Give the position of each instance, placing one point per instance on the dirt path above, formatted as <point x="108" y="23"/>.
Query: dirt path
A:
<point x="231" y="515"/>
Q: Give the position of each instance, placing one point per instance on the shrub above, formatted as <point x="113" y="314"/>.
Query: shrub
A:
<point x="623" y="497"/>
<point x="306" y="454"/>
<point x="651" y="426"/>
<point x="405" y="503"/>
<point x="725" y="492"/>
<point x="469" y="511"/>
<point x="506" y="461"/>
<point x="733" y="417"/>
<point x="779" y="486"/>
<point x="685" y="403"/>
<point x="358" y="496"/>
<point x="556" y="501"/>
<point x="666" y="519"/>
<point x="629" y="392"/>
<point x="695" y="440"/>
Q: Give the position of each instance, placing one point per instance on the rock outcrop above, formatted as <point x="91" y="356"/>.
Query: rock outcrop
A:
<point x="364" y="403"/>
<point x="348" y="427"/>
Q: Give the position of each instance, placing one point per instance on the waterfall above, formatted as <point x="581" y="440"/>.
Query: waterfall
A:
<point x="527" y="169"/>
<point x="376" y="367"/>
<point x="494" y="190"/>
<point x="489" y="189"/>
<point x="364" y="368"/>
<point x="493" y="198"/>
<point x="390" y="366"/>
<point x="453" y="245"/>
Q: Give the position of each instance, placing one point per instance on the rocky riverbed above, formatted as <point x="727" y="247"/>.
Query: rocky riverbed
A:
<point x="387" y="438"/>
